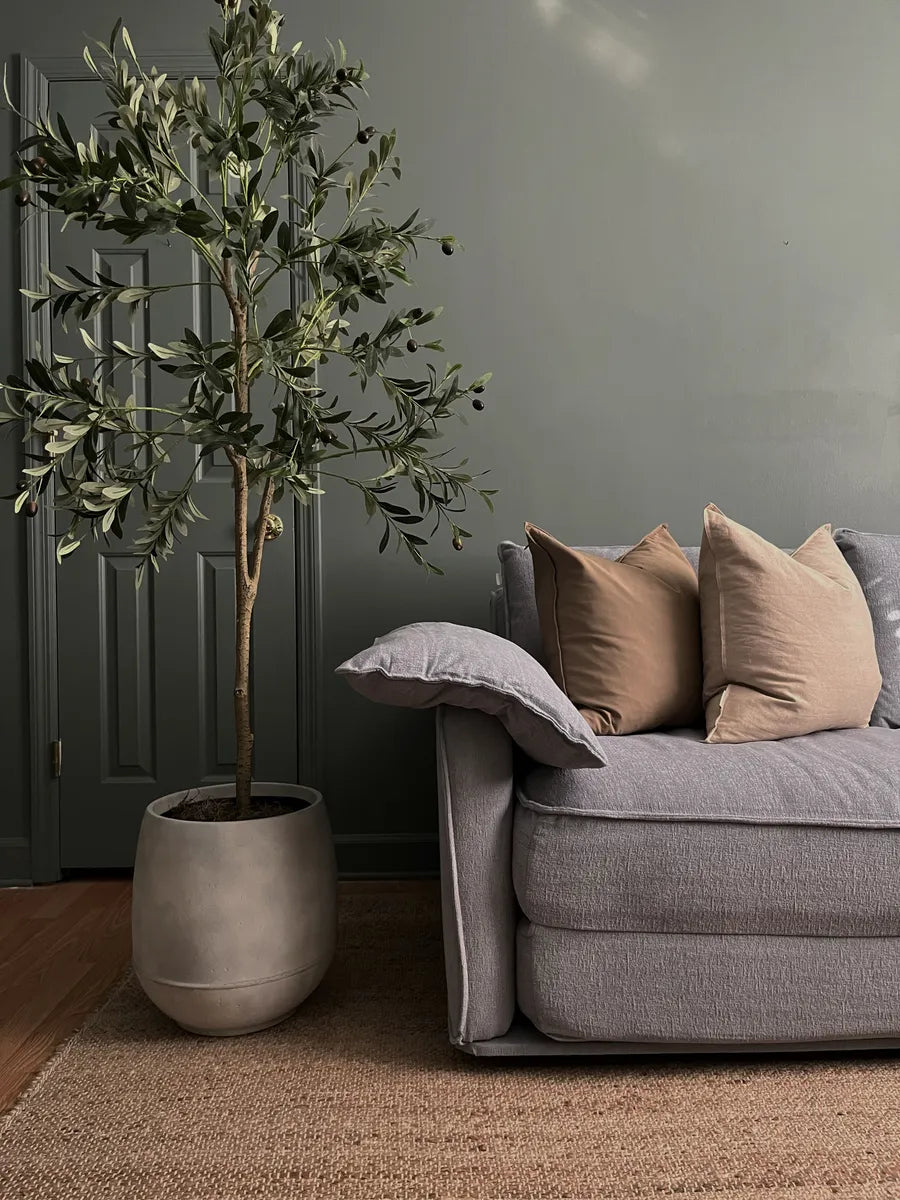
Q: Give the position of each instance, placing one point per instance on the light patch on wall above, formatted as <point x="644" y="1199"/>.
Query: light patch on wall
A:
<point x="597" y="34"/>
<point x="550" y="10"/>
<point x="623" y="63"/>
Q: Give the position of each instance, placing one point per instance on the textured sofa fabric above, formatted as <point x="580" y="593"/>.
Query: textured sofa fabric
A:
<point x="839" y="777"/>
<point x="520" y="617"/>
<point x="475" y="802"/>
<point x="706" y="877"/>
<point x="875" y="560"/>
<point x="783" y="869"/>
<point x="435" y="662"/>
<point x="714" y="988"/>
<point x="686" y="897"/>
<point x="622" y="932"/>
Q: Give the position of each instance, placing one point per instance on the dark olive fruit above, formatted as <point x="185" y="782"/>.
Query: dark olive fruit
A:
<point x="478" y="390"/>
<point x="415" y="313"/>
<point x="457" y="543"/>
<point x="23" y="199"/>
<point x="447" y="247"/>
<point x="478" y="405"/>
<point x="412" y="345"/>
<point x="341" y="75"/>
<point x="366" y="135"/>
<point x="39" y="163"/>
<point x="30" y="508"/>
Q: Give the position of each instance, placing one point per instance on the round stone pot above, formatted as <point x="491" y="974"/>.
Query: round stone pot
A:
<point x="234" y="922"/>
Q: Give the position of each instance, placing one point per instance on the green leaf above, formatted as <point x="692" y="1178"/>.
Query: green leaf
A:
<point x="88" y="340"/>
<point x="268" y="224"/>
<point x="162" y="351"/>
<point x="126" y="38"/>
<point x="64" y="130"/>
<point x="114" y="37"/>
<point x="63" y="446"/>
<point x="279" y="323"/>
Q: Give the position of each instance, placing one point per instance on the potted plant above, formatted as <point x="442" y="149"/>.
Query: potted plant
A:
<point x="234" y="894"/>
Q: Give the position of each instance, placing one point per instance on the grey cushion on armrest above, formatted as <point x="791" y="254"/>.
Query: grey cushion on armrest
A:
<point x="435" y="662"/>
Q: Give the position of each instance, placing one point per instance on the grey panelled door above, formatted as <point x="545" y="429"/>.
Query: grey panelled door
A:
<point x="145" y="676"/>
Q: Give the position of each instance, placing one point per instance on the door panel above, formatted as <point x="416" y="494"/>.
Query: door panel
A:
<point x="145" y="676"/>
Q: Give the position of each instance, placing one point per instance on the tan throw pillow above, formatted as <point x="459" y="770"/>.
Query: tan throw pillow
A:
<point x="621" y="638"/>
<point x="788" y="646"/>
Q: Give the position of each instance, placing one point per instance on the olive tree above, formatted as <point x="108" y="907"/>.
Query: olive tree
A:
<point x="254" y="394"/>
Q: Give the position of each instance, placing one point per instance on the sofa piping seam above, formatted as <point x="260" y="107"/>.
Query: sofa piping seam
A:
<point x="454" y="879"/>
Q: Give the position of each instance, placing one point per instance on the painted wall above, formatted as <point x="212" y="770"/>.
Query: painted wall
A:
<point x="682" y="225"/>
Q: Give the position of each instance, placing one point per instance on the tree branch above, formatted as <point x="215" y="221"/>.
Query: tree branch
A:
<point x="259" y="538"/>
<point x="239" y="466"/>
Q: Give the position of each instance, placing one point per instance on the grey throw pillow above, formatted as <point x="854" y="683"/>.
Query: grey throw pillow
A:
<point x="875" y="561"/>
<point x="435" y="662"/>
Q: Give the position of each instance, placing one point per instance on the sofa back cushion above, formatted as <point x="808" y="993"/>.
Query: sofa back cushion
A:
<point x="516" y="614"/>
<point x="875" y="561"/>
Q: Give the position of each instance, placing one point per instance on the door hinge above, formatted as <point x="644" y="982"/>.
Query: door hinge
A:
<point x="56" y="759"/>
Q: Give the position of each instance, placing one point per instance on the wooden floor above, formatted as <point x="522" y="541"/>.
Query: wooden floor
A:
<point x="62" y="947"/>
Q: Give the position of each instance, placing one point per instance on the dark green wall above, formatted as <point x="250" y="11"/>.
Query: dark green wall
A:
<point x="683" y="265"/>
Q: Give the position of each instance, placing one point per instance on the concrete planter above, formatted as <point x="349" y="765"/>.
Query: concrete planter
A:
<point x="234" y="921"/>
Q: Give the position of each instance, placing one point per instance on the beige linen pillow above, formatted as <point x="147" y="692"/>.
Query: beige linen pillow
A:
<point x="621" y="638"/>
<point x="788" y="646"/>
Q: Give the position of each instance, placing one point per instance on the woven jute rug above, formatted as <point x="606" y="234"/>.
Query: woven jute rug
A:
<point x="360" y="1096"/>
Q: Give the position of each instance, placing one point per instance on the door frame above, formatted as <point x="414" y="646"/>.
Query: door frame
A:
<point x="36" y="77"/>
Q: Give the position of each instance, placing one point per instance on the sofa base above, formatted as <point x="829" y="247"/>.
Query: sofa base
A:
<point x="524" y="1041"/>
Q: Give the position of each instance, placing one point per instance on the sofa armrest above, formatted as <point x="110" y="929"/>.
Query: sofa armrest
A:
<point x="475" y="791"/>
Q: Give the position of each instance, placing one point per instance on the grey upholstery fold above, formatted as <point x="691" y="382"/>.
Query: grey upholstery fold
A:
<point x="663" y="987"/>
<point x="475" y="795"/>
<point x="875" y="560"/>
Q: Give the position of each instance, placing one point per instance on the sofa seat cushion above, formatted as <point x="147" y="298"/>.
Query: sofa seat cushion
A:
<point x="663" y="987"/>
<point x="800" y="836"/>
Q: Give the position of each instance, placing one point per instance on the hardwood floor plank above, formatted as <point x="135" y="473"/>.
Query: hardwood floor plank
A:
<point x="62" y="947"/>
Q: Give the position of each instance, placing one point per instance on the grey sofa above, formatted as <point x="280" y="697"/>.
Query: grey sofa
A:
<point x="685" y="897"/>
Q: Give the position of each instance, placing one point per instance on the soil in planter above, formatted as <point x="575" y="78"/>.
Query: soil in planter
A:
<point x="225" y="808"/>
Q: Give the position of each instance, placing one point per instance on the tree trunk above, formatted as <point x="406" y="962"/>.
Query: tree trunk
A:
<point x="247" y="562"/>
<point x="244" y="601"/>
